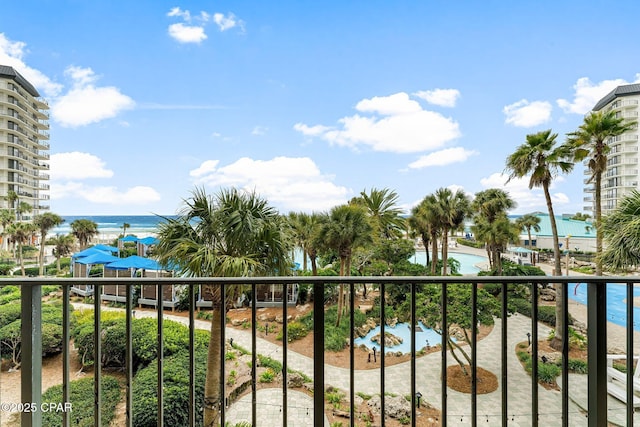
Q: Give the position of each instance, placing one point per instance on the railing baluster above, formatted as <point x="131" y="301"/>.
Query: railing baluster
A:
<point x="129" y="355"/>
<point x="534" y="354"/>
<point x="97" y="355"/>
<point x="192" y="355"/>
<point x="254" y="365"/>
<point x="630" y="365"/>
<point x="31" y="361"/>
<point x="597" y="350"/>
<point x="565" y="354"/>
<point x="443" y="354"/>
<point x="474" y="354"/>
<point x="352" y="381"/>
<point x="318" y="354"/>
<point x="414" y="323"/>
<point x="382" y="351"/>
<point x="66" y="325"/>
<point x="504" y="342"/>
<point x="284" y="355"/>
<point x="223" y="347"/>
<point x="160" y="315"/>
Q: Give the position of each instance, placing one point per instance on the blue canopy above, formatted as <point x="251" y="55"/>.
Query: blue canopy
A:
<point x="97" y="258"/>
<point x="89" y="251"/>
<point x="129" y="238"/>
<point x="106" y="248"/>
<point x="149" y="241"/>
<point x="134" y="261"/>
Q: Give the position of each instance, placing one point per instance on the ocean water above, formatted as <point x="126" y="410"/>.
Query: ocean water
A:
<point x="110" y="226"/>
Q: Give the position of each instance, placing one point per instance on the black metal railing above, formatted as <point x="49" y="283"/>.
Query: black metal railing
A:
<point x="597" y="410"/>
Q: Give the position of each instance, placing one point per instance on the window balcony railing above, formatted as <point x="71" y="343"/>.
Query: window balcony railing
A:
<point x="522" y="399"/>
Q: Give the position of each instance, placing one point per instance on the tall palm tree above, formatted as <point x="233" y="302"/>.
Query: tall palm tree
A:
<point x="6" y="218"/>
<point x="420" y="226"/>
<point x="62" y="246"/>
<point x="452" y="209"/>
<point x="542" y="160"/>
<point x="621" y="230"/>
<point x="231" y="234"/>
<point x="489" y="207"/>
<point x="124" y="229"/>
<point x="84" y="230"/>
<point x="382" y="209"/>
<point x="20" y="233"/>
<point x="343" y="229"/>
<point x="496" y="234"/>
<point x="12" y="198"/>
<point x="44" y="223"/>
<point x="591" y="141"/>
<point x="529" y="222"/>
<point x="23" y="208"/>
<point x="303" y="227"/>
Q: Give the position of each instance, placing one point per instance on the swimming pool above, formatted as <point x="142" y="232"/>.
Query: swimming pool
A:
<point x="467" y="261"/>
<point x="424" y="337"/>
<point x="616" y="305"/>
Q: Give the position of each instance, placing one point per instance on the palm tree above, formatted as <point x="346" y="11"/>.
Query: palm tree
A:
<point x="231" y="234"/>
<point x="452" y="209"/>
<point x="621" y="230"/>
<point x="529" y="222"/>
<point x="84" y="230"/>
<point x="419" y="226"/>
<point x="62" y="246"/>
<point x="124" y="229"/>
<point x="6" y="218"/>
<point x="20" y="233"/>
<point x="344" y="228"/>
<point x="12" y="198"/>
<point x="384" y="213"/>
<point x="303" y="227"/>
<point x="491" y="206"/>
<point x="44" y="223"/>
<point x="591" y="141"/>
<point x="540" y="158"/>
<point x="23" y="208"/>
<point x="496" y="234"/>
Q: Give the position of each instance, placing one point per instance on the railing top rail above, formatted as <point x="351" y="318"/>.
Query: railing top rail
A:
<point x="318" y="279"/>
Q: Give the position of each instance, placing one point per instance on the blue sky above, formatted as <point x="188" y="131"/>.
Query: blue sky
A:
<point x="309" y="103"/>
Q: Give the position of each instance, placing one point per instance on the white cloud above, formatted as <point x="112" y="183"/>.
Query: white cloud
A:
<point x="70" y="170"/>
<point x="77" y="165"/>
<point x="12" y="54"/>
<point x="441" y="97"/>
<point x="403" y="128"/>
<point x="528" y="200"/>
<point x="85" y="103"/>
<point x="443" y="157"/>
<point x="587" y="94"/>
<point x="184" y="14"/>
<point x="259" y="130"/>
<point x="287" y="182"/>
<point x="225" y="23"/>
<point x="187" y="33"/>
<point x="527" y="114"/>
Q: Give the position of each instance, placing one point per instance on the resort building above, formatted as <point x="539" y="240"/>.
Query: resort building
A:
<point x="622" y="174"/>
<point x="581" y="235"/>
<point x="24" y="146"/>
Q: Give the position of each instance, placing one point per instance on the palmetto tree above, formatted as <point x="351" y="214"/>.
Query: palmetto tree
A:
<point x="44" y="223"/>
<point x="621" y="230"/>
<point x="304" y="227"/>
<point x="541" y="160"/>
<point x="23" y="208"/>
<point x="529" y="222"/>
<point x="452" y="209"/>
<point x="12" y="198"/>
<point x="62" y="246"/>
<point x="20" y="233"/>
<point x="84" y="230"/>
<point x="591" y="141"/>
<point x="231" y="234"/>
<point x="384" y="213"/>
<point x="343" y="229"/>
<point x="491" y="206"/>
<point x="6" y="218"/>
<point x="425" y="221"/>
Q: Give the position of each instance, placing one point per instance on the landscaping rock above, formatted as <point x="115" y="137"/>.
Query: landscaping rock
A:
<point x="295" y="380"/>
<point x="390" y="340"/>
<point x="395" y="406"/>
<point x="238" y="322"/>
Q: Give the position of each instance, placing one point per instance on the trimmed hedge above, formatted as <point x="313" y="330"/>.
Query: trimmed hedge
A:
<point x="176" y="391"/>
<point x="81" y="398"/>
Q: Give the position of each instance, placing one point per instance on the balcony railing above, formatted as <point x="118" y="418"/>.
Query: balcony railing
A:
<point x="523" y="400"/>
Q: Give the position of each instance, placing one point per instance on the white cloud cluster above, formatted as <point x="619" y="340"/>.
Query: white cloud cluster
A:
<point x="441" y="97"/>
<point x="395" y="124"/>
<point x="192" y="29"/>
<point x="70" y="170"/>
<point x="443" y="157"/>
<point x="518" y="188"/>
<point x="587" y="94"/>
<point x="527" y="114"/>
<point x="87" y="103"/>
<point x="290" y="183"/>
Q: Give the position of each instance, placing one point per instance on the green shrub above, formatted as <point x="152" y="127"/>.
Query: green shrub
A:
<point x="5" y="269"/>
<point x="9" y="313"/>
<point x="81" y="399"/>
<point x="578" y="366"/>
<point x="176" y="391"/>
<point x="295" y="331"/>
<point x="267" y="376"/>
<point x="267" y="362"/>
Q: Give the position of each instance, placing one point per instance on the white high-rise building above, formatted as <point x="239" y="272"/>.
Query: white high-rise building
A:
<point x="24" y="146"/>
<point x="622" y="174"/>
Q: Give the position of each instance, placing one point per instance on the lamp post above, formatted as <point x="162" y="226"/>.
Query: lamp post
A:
<point x="529" y="337"/>
<point x="567" y="258"/>
<point x="418" y="397"/>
